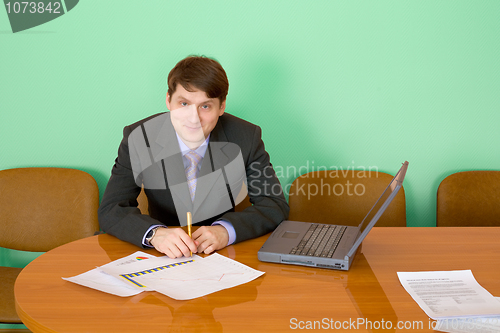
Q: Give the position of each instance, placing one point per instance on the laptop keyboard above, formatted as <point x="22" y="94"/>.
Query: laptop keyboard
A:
<point x="320" y="240"/>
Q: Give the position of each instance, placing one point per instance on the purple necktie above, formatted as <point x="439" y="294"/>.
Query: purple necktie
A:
<point x="192" y="171"/>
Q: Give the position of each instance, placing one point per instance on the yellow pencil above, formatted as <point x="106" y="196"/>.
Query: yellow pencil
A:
<point x="189" y="221"/>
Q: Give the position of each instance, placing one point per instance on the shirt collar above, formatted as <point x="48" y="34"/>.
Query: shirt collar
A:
<point x="201" y="150"/>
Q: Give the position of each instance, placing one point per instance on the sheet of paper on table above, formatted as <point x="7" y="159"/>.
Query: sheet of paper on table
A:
<point x="479" y="324"/>
<point x="181" y="278"/>
<point x="98" y="279"/>
<point x="449" y="294"/>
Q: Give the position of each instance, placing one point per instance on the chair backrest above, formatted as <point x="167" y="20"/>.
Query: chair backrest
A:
<point x="344" y="198"/>
<point x="42" y="208"/>
<point x="243" y="204"/>
<point x="469" y="198"/>
<point x="142" y="199"/>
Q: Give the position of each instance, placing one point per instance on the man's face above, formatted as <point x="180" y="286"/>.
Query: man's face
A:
<point x="193" y="114"/>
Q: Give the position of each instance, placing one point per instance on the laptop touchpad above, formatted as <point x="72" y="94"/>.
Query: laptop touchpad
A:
<point x="290" y="234"/>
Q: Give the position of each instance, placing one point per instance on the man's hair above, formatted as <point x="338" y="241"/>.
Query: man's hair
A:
<point x="199" y="73"/>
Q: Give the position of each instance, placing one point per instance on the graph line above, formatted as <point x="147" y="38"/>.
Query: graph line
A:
<point x="130" y="276"/>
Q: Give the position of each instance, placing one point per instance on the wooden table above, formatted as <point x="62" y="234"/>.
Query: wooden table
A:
<point x="286" y="298"/>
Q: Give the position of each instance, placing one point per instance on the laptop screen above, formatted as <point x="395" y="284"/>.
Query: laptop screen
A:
<point x="380" y="206"/>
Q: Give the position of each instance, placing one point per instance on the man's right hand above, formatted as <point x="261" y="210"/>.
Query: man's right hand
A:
<point x="174" y="242"/>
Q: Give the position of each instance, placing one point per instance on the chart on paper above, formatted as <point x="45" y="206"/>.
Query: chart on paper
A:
<point x="131" y="277"/>
<point x="195" y="278"/>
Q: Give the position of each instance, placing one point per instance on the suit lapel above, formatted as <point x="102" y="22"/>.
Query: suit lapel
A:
<point x="166" y="153"/>
<point x="164" y="141"/>
<point x="207" y="177"/>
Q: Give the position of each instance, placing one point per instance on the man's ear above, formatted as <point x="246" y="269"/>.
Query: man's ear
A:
<point x="168" y="102"/>
<point x="222" y="108"/>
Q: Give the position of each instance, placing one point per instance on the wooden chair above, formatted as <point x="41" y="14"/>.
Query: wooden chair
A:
<point x="343" y="197"/>
<point x="469" y="198"/>
<point x="142" y="199"/>
<point x="40" y="209"/>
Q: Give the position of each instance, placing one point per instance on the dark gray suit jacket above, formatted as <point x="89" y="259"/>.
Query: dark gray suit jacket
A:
<point x="118" y="212"/>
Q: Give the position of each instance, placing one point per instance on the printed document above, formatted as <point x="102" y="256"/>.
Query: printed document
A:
<point x="181" y="278"/>
<point x="98" y="279"/>
<point x="449" y="294"/>
<point x="487" y="324"/>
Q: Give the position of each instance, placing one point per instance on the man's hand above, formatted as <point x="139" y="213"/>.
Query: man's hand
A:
<point x="211" y="238"/>
<point x="174" y="242"/>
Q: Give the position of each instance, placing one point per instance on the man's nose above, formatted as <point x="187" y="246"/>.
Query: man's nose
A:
<point x="192" y="114"/>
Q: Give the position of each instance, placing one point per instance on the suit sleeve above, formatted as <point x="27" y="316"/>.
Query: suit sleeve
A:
<point x="118" y="213"/>
<point x="269" y="207"/>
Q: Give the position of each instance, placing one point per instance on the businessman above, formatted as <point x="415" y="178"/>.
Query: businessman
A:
<point x="195" y="158"/>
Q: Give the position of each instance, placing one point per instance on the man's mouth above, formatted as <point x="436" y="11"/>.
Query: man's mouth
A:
<point x="191" y="128"/>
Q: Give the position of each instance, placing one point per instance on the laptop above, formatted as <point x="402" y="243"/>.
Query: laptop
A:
<point x="325" y="245"/>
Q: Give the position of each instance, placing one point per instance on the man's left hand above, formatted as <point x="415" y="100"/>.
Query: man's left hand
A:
<point x="211" y="238"/>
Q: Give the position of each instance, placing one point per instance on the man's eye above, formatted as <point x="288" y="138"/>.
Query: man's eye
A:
<point x="205" y="107"/>
<point x="184" y="103"/>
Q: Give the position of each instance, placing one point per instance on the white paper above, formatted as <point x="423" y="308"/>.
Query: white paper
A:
<point x="139" y="266"/>
<point x="100" y="280"/>
<point x="449" y="294"/>
<point x="181" y="278"/>
<point x="470" y="324"/>
<point x="201" y="277"/>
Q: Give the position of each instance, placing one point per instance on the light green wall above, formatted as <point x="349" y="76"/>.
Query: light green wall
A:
<point x="331" y="83"/>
